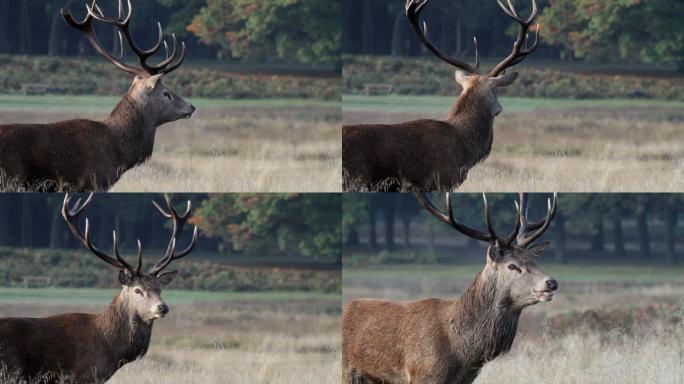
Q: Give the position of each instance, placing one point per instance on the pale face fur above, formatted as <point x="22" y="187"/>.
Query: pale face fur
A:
<point x="143" y="295"/>
<point x="486" y="87"/>
<point x="519" y="277"/>
<point x="161" y="105"/>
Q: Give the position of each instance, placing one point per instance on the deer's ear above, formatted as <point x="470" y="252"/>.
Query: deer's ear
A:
<point x="505" y="79"/>
<point x="493" y="255"/>
<point x="537" y="249"/>
<point x="124" y="278"/>
<point x="166" y="278"/>
<point x="462" y="78"/>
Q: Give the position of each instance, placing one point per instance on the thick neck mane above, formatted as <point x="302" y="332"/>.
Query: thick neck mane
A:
<point x="128" y="335"/>
<point x="484" y="320"/>
<point x="133" y="130"/>
<point x="475" y="123"/>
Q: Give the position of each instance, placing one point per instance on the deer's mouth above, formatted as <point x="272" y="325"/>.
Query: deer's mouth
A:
<point x="543" y="295"/>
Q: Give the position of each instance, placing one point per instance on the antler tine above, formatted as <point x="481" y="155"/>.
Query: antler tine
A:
<point x="413" y="11"/>
<point x="178" y="224"/>
<point x="519" y="53"/>
<point x="449" y="218"/>
<point x="94" y="12"/>
<point x="538" y="229"/>
<point x="71" y="216"/>
<point x="118" y="256"/>
<point x="514" y="234"/>
<point x="488" y="222"/>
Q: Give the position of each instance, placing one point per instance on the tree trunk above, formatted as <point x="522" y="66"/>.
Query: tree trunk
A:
<point x="670" y="225"/>
<point x="4" y="26"/>
<point x="389" y="228"/>
<point x="597" y="241"/>
<point x="618" y="239"/>
<point x="25" y="220"/>
<point x="367" y="28"/>
<point x="560" y="239"/>
<point x="24" y="28"/>
<point x="372" y="228"/>
<point x="644" y="236"/>
<point x="352" y="237"/>
<point x="55" y="229"/>
<point x="406" y="222"/>
<point x="398" y="35"/>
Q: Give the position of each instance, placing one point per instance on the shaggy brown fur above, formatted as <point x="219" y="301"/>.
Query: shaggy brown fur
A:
<point x="433" y="352"/>
<point x="86" y="155"/>
<point x="422" y="155"/>
<point x="76" y="347"/>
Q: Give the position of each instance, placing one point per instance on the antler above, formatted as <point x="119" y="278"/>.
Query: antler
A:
<point x="413" y="10"/>
<point x="531" y="232"/>
<point x="489" y="237"/>
<point x="71" y="216"/>
<point x="178" y="223"/>
<point x="518" y="53"/>
<point x="123" y="24"/>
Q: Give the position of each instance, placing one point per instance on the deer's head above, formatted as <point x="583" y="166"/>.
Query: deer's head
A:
<point x="140" y="291"/>
<point x="156" y="101"/>
<point x="484" y="85"/>
<point x="511" y="261"/>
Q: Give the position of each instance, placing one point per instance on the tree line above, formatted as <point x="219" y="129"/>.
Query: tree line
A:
<point x="633" y="31"/>
<point x="638" y="227"/>
<point x="274" y="225"/>
<point x="297" y="31"/>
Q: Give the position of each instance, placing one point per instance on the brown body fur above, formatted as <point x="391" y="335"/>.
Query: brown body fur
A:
<point x="77" y="347"/>
<point x="427" y="341"/>
<point x="422" y="155"/>
<point x="79" y="155"/>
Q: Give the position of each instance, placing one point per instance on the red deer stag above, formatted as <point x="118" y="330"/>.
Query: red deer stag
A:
<point x="436" y="341"/>
<point x="86" y="155"/>
<point x="428" y="155"/>
<point x="88" y="348"/>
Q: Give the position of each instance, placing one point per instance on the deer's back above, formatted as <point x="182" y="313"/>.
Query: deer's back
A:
<point x="64" y="343"/>
<point x="396" y="341"/>
<point x="69" y="151"/>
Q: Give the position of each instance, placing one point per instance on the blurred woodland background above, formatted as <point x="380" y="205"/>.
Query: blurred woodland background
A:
<point x="247" y="241"/>
<point x="232" y="41"/>
<point x="588" y="228"/>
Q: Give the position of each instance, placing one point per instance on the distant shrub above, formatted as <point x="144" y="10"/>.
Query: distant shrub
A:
<point x="96" y="77"/>
<point x="422" y="76"/>
<point x="76" y="269"/>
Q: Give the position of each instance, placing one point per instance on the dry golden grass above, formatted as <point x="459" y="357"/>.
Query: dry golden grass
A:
<point x="232" y="149"/>
<point x="626" y="149"/>
<point x="233" y="342"/>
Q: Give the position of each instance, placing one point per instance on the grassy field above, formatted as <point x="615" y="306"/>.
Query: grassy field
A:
<point x="608" y="323"/>
<point x="559" y="145"/>
<point x="228" y="146"/>
<point x="241" y="338"/>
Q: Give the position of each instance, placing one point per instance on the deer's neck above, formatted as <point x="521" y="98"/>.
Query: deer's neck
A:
<point x="127" y="334"/>
<point x="484" y="320"/>
<point x="134" y="130"/>
<point x="473" y="120"/>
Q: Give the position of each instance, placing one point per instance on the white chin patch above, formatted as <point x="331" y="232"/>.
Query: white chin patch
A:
<point x="544" y="295"/>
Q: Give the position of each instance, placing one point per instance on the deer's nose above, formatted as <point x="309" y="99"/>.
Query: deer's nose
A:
<point x="163" y="309"/>
<point x="552" y="284"/>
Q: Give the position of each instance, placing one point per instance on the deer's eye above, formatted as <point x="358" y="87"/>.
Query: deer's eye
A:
<point x="139" y="291"/>
<point x="167" y="94"/>
<point x="514" y="267"/>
